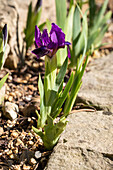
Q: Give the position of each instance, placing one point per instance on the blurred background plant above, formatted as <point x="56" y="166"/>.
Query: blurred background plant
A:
<point x="33" y="18"/>
<point x="65" y="21"/>
<point x="98" y="24"/>
<point x="74" y="28"/>
<point x="3" y="44"/>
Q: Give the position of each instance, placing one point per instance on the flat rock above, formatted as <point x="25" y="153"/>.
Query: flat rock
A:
<point x="86" y="144"/>
<point x="10" y="110"/>
<point x="48" y="6"/>
<point x="97" y="87"/>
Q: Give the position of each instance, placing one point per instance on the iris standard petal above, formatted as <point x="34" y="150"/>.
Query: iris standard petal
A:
<point x="40" y="52"/>
<point x="37" y="37"/>
<point x="45" y="38"/>
<point x="60" y="35"/>
<point x="61" y="39"/>
<point x="55" y="28"/>
<point x="54" y="41"/>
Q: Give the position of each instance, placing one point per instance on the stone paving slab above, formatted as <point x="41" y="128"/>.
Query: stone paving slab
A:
<point x="97" y="87"/>
<point x="86" y="144"/>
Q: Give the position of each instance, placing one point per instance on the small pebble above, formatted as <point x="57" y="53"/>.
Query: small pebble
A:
<point x="25" y="167"/>
<point x="6" y="150"/>
<point x="10" y="110"/>
<point x="36" y="65"/>
<point x="17" y="167"/>
<point x="6" y="97"/>
<point x="96" y="54"/>
<point x="10" y="77"/>
<point x="19" y="142"/>
<point x="7" y="87"/>
<point x="12" y="94"/>
<point x="10" y="126"/>
<point x="27" y="76"/>
<point x="37" y="154"/>
<point x="0" y="113"/>
<point x="28" y="98"/>
<point x="1" y="130"/>
<point x="30" y="143"/>
<point x="29" y="119"/>
<point x="41" y="64"/>
<point x="9" y="122"/>
<point x="40" y="140"/>
<point x="32" y="161"/>
<point x="10" y="98"/>
<point x="10" y="144"/>
<point x="33" y="118"/>
<point x="11" y="156"/>
<point x="9" y="152"/>
<point x="15" y="150"/>
<point x="14" y="134"/>
<point x="34" y="147"/>
<point x="18" y="93"/>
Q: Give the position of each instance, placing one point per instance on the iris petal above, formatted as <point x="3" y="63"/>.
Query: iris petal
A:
<point x="60" y="35"/>
<point x="55" y="28"/>
<point x="37" y="37"/>
<point x="54" y="38"/>
<point x="4" y="32"/>
<point x="40" y="52"/>
<point x="68" y="49"/>
<point x="45" y="38"/>
<point x="67" y="43"/>
<point x="54" y="41"/>
<point x="68" y="52"/>
<point x="61" y="39"/>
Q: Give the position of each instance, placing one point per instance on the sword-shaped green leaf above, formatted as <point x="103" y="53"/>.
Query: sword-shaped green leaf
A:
<point x="92" y="11"/>
<point x="63" y="96"/>
<point x="43" y="115"/>
<point x="61" y="12"/>
<point x="2" y="81"/>
<point x="52" y="132"/>
<point x="33" y="19"/>
<point x="61" y="74"/>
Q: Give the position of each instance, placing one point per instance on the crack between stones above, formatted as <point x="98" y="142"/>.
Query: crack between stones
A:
<point x="88" y="104"/>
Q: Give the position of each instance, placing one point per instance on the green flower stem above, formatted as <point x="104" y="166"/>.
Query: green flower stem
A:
<point x="50" y="78"/>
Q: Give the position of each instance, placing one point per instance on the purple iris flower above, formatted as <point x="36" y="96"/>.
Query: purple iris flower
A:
<point x="38" y="5"/>
<point x="48" y="45"/>
<point x="4" y="33"/>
